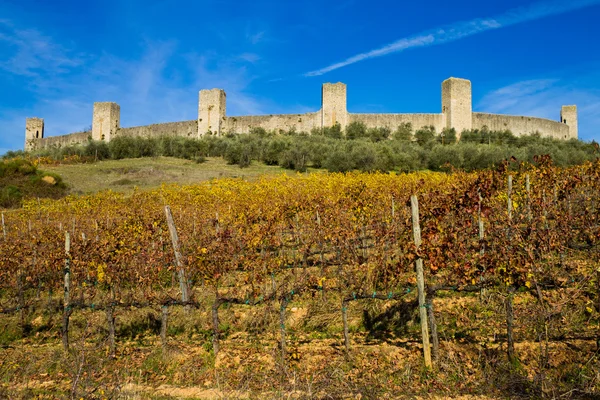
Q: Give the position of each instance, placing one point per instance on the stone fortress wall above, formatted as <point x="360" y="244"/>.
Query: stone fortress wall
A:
<point x="456" y="113"/>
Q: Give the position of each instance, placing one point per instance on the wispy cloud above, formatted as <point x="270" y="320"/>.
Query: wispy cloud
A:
<point x="516" y="96"/>
<point x="543" y="98"/>
<point x="250" y="57"/>
<point x="160" y="85"/>
<point x="256" y="37"/>
<point x="463" y="29"/>
<point x="34" y="54"/>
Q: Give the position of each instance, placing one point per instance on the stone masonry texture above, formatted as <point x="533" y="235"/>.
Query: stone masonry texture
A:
<point x="211" y="111"/>
<point x="456" y="113"/>
<point x="456" y="104"/>
<point x="34" y="130"/>
<point x="105" y="120"/>
<point x="568" y="116"/>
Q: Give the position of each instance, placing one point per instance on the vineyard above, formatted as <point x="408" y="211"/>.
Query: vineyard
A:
<point x="421" y="283"/>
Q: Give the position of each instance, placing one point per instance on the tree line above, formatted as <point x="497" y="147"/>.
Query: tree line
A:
<point x="355" y="148"/>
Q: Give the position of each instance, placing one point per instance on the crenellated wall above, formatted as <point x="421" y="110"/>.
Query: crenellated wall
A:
<point x="521" y="125"/>
<point x="456" y="113"/>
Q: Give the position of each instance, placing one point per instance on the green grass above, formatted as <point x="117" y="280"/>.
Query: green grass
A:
<point x="147" y="173"/>
<point x="20" y="179"/>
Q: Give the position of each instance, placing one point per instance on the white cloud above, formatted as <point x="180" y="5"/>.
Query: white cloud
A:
<point x="463" y="29"/>
<point x="543" y="98"/>
<point x="250" y="57"/>
<point x="161" y="85"/>
<point x="256" y="37"/>
<point x="34" y="54"/>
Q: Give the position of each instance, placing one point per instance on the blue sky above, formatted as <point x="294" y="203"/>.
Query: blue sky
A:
<point x="58" y="57"/>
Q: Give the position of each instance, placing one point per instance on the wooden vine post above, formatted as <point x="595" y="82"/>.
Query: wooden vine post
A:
<point x="434" y="334"/>
<point x="345" y="322"/>
<point x="282" y="307"/>
<point x="215" y="323"/>
<point x="163" y="328"/>
<point x="481" y="231"/>
<point x="528" y="189"/>
<point x="481" y="227"/>
<point x="509" y="298"/>
<point x="178" y="258"/>
<point x="110" y="319"/>
<point x="3" y="227"/>
<point x="67" y="293"/>
<point x="414" y="203"/>
<point x="509" y="199"/>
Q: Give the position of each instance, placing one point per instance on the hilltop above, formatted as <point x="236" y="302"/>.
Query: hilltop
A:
<point x="20" y="178"/>
<point x="147" y="173"/>
<point x="124" y="164"/>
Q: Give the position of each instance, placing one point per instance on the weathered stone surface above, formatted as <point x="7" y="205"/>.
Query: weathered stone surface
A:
<point x="456" y="104"/>
<point x="521" y="125"/>
<point x="333" y="105"/>
<point x="105" y="120"/>
<point x="183" y="128"/>
<point x="568" y="116"/>
<point x="211" y="111"/>
<point x="277" y="123"/>
<point x="392" y="121"/>
<point x="456" y="113"/>
<point x="34" y="130"/>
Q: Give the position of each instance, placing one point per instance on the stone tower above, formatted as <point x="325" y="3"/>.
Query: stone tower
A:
<point x="211" y="111"/>
<point x="568" y="115"/>
<point x="105" y="121"/>
<point x="457" y="110"/>
<point x="333" y="105"/>
<point x="34" y="129"/>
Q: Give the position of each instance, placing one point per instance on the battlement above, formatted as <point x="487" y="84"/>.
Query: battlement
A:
<point x="105" y="121"/>
<point x="211" y="111"/>
<point x="34" y="131"/>
<point x="457" y="109"/>
<point x="333" y="105"/>
<point x="456" y="113"/>
<point x="568" y="116"/>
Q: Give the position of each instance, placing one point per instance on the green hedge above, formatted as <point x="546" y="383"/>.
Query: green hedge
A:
<point x="358" y="148"/>
<point x="20" y="179"/>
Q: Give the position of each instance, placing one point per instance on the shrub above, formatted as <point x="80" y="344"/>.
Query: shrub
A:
<point x="296" y="158"/>
<point x="334" y="132"/>
<point x="364" y="157"/>
<point x="403" y="132"/>
<point x="20" y="179"/>
<point x="442" y="158"/>
<point x="477" y="149"/>
<point x="273" y="150"/>
<point x="10" y="196"/>
<point x="338" y="160"/>
<point x="356" y="130"/>
<point x="425" y="135"/>
<point x="121" y="147"/>
<point x="385" y="159"/>
<point x="97" y="149"/>
<point x="318" y="150"/>
<point x="379" y="134"/>
<point x="448" y="136"/>
<point x="260" y="132"/>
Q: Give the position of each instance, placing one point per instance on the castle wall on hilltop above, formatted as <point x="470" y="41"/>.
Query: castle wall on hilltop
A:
<point x="59" y="141"/>
<point x="456" y="113"/>
<point x="183" y="128"/>
<point x="277" y="122"/>
<point x="392" y="121"/>
<point x="522" y="125"/>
